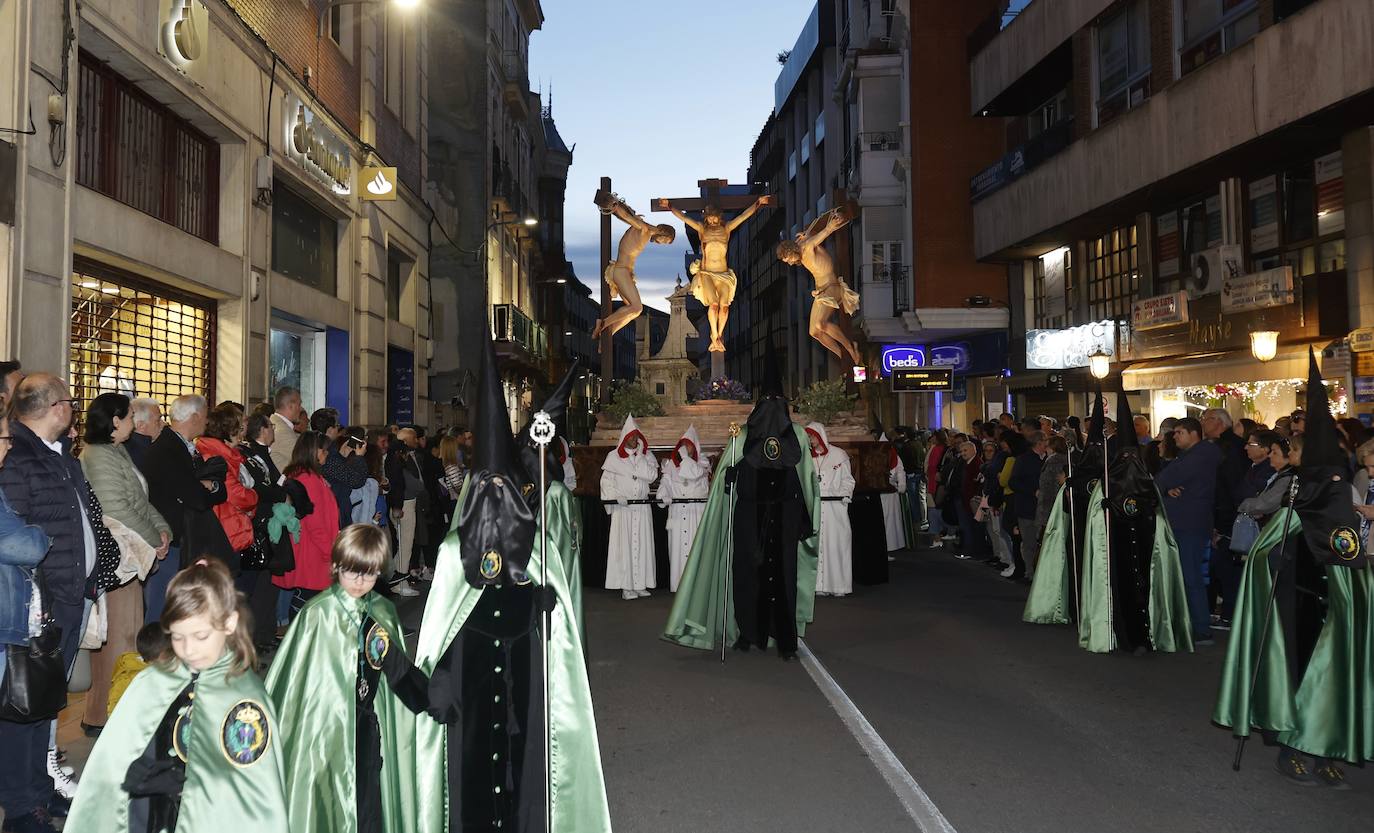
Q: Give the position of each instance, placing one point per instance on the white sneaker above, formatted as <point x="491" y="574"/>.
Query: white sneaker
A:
<point x="643" y="594"/>
<point x="1009" y="572"/>
<point x="627" y="595"/>
<point x="61" y="766"/>
<point x="404" y="589"/>
<point x="64" y="783"/>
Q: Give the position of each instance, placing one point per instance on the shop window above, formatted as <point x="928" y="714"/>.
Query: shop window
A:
<point x="1212" y="28"/>
<point x="135" y="151"/>
<point x="137" y="338"/>
<point x="1123" y="60"/>
<point x="305" y="240"/>
<point x="1113" y="274"/>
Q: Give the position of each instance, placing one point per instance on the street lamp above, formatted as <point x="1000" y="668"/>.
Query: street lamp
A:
<point x="1100" y="364"/>
<point x="334" y="4"/>
<point x="1264" y="344"/>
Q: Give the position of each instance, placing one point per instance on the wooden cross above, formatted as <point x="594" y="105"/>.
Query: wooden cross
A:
<point x="713" y="197"/>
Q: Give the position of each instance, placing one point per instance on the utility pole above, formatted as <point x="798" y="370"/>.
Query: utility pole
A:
<point x="607" y="342"/>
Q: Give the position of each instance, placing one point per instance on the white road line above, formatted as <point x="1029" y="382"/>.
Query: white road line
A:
<point x="914" y="800"/>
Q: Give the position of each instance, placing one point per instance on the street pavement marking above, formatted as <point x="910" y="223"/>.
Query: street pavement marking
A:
<point x="914" y="800"/>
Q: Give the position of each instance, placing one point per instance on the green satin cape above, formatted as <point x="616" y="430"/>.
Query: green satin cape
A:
<point x="1052" y="588"/>
<point x="1170" y="628"/>
<point x="219" y="796"/>
<point x="1332" y="712"/>
<point x="565" y="529"/>
<point x="579" y="786"/>
<point x="695" y="620"/>
<point x="313" y="682"/>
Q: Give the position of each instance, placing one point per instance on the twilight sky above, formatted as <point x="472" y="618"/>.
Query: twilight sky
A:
<point x="623" y="76"/>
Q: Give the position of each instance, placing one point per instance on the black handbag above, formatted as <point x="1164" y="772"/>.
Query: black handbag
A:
<point x="35" y="685"/>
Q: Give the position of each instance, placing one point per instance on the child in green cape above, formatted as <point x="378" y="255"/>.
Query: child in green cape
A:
<point x="342" y="685"/>
<point x="192" y="744"/>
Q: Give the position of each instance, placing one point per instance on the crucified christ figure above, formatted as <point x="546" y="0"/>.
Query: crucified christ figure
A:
<point x="620" y="273"/>
<point x="831" y="294"/>
<point x="713" y="281"/>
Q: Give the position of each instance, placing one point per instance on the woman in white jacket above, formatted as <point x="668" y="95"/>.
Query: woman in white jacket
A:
<point x="625" y="476"/>
<point x="835" y="568"/>
<point x="685" y="475"/>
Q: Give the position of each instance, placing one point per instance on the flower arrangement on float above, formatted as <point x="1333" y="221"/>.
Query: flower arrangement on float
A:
<point x="721" y="388"/>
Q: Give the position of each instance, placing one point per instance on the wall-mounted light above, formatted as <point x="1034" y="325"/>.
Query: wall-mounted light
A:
<point x="1100" y="364"/>
<point x="1264" y="344"/>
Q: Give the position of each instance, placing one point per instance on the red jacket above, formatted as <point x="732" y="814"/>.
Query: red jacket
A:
<point x="236" y="513"/>
<point x="318" y="530"/>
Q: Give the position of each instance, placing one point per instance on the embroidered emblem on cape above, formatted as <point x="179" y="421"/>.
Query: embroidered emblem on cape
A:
<point x="245" y="735"/>
<point x="772" y="449"/>
<point x="526" y="490"/>
<point x="1345" y="543"/>
<point x="376" y="645"/>
<point x="181" y="732"/>
<point x="491" y="565"/>
<point x="1131" y="507"/>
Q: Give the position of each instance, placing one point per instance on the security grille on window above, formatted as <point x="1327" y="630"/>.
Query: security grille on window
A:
<point x="1123" y="60"/>
<point x="138" y="339"/>
<point x="1112" y="274"/>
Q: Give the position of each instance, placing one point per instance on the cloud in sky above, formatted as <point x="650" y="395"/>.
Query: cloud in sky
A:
<point x="656" y="96"/>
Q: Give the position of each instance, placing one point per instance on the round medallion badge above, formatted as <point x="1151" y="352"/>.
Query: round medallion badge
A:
<point x="376" y="645"/>
<point x="1345" y="543"/>
<point x="245" y="735"/>
<point x="1130" y="507"/>
<point x="491" y="565"/>
<point x="772" y="449"/>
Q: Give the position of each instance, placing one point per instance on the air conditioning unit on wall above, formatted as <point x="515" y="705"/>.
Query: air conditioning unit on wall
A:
<point x="1210" y="269"/>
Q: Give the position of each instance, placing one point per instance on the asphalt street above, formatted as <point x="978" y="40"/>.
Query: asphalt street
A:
<point x="1008" y="727"/>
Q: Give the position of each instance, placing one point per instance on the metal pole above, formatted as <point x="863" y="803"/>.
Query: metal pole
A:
<point x="1264" y="629"/>
<point x="729" y="548"/>
<point x="1106" y="509"/>
<point x="1073" y="536"/>
<point x="607" y="342"/>
<point x="542" y="431"/>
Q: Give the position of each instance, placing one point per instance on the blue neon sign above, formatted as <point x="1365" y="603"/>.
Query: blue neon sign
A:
<point x="950" y="355"/>
<point x="902" y="355"/>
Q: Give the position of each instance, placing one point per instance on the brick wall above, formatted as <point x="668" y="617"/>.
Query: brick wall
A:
<point x="290" y="29"/>
<point x="948" y="148"/>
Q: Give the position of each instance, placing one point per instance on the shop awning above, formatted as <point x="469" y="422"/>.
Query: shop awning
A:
<point x="1212" y="368"/>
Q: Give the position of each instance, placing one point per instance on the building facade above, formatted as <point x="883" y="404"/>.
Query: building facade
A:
<point x="223" y="197"/>
<point x="1182" y="181"/>
<point x="486" y="145"/>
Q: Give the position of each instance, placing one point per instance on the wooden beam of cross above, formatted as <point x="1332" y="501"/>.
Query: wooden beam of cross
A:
<point x="724" y="202"/>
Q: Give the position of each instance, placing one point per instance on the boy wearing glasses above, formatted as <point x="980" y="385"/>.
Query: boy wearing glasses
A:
<point x="344" y="690"/>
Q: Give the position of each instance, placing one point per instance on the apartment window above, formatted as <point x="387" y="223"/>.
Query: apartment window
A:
<point x="401" y="68"/>
<point x="1214" y="27"/>
<point x="806" y="148"/>
<point x="305" y="240"/>
<point x="1298" y="218"/>
<point x="820" y="129"/>
<point x="1123" y="60"/>
<point x="1112" y="274"/>
<point x="137" y="152"/>
<point x="341" y="29"/>
<point x="1049" y="114"/>
<point x="1050" y="282"/>
<point x="1181" y="234"/>
<point x="791" y="166"/>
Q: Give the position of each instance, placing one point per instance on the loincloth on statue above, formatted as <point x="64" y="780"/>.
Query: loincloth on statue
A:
<point x="712" y="288"/>
<point x="837" y="295"/>
<point x="610" y="277"/>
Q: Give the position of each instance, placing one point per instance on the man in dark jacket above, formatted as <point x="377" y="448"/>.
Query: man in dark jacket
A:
<point x="1025" y="484"/>
<point x="182" y="492"/>
<point x="1226" y="566"/>
<point x="1189" y="486"/>
<point x="44" y="485"/>
<point x="343" y="469"/>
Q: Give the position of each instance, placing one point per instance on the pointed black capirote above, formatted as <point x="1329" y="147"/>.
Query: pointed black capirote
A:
<point x="1321" y="439"/>
<point x="772" y="373"/>
<point x="556" y="406"/>
<point x="496" y="524"/>
<point x="1097" y="425"/>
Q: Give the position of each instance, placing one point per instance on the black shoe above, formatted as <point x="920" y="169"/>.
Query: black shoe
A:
<point x="1221" y="625"/>
<point x="38" y="821"/>
<point x="741" y="645"/>
<point x="91" y="731"/>
<point x="397" y="578"/>
<point x="787" y="656"/>
<point x="1292" y="767"/>
<point x="58" y="806"/>
<point x="1330" y="775"/>
<point x="1204" y="642"/>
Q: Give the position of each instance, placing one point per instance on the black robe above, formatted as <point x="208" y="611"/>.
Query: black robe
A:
<point x="771" y="519"/>
<point x="1132" y="508"/>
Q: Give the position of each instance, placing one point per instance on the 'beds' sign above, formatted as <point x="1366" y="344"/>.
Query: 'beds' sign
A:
<point x="902" y="355"/>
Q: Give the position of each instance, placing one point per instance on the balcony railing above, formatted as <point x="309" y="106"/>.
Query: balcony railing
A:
<point x="510" y="325"/>
<point x="885" y="290"/>
<point x="877" y="140"/>
<point x="1022" y="160"/>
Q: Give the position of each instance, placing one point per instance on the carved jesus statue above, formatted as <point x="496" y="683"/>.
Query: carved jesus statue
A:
<point x="713" y="281"/>
<point x="831" y="294"/>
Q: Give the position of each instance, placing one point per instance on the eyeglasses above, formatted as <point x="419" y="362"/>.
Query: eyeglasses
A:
<point x="75" y="403"/>
<point x="7" y="438"/>
<point x="354" y="575"/>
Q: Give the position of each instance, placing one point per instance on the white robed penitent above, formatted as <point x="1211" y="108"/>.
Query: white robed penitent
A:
<point x="892" y="501"/>
<point x="835" y="567"/>
<point x="626" y="476"/>
<point x="685" y="475"/>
